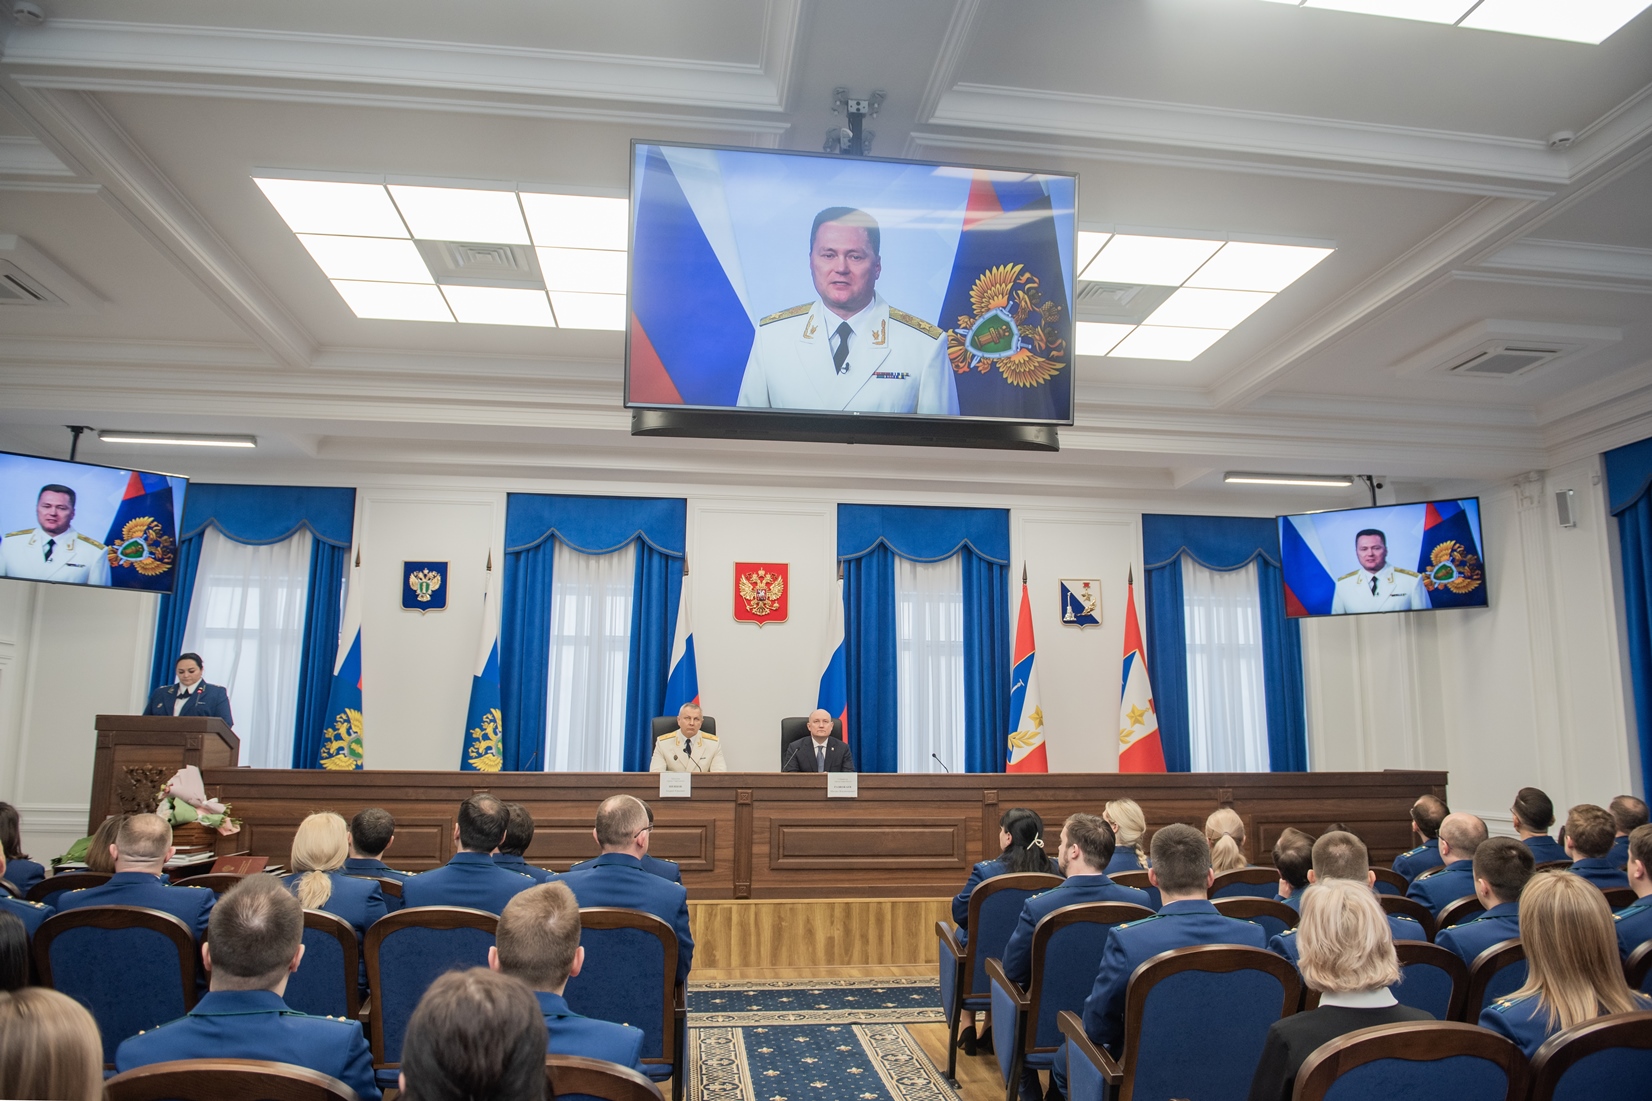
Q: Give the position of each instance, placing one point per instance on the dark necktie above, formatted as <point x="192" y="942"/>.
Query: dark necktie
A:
<point x="840" y="357"/>
<point x="820" y="758"/>
<point x="1373" y="585"/>
<point x="688" y="747"/>
<point x="50" y="543"/>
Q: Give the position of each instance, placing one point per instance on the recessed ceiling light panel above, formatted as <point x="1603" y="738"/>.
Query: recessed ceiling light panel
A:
<point x="577" y="221"/>
<point x="1088" y="245"/>
<point x="500" y="306"/>
<point x="382" y="259"/>
<point x="1427" y="11"/>
<point x="393" y="301"/>
<point x="1590" y="21"/>
<point x="177" y="439"/>
<point x="462" y="214"/>
<point x="1164" y="261"/>
<point x="1332" y="481"/>
<point x="321" y="206"/>
<point x="1097" y="338"/>
<point x="1155" y="342"/>
<point x="1247" y="266"/>
<point x="583" y="269"/>
<point x="575" y="310"/>
<point x="1204" y="309"/>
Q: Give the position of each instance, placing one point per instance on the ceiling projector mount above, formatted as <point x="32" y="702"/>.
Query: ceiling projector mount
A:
<point x="853" y="140"/>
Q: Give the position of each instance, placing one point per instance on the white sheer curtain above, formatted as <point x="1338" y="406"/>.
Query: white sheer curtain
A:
<point x="590" y="660"/>
<point x="246" y="620"/>
<point x="929" y="631"/>
<point x="1226" y="695"/>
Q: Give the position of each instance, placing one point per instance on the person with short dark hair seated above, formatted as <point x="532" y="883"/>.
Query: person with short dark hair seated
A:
<point x="476" y="1035"/>
<point x="143" y="845"/>
<point x="1634" y="921"/>
<point x="1293" y="857"/>
<point x="538" y="942"/>
<point x="254" y="942"/>
<point x="1502" y="867"/>
<point x="1533" y="814"/>
<point x="1573" y="971"/>
<point x="371" y="832"/>
<point x="471" y="878"/>
<point x="1347" y="954"/>
<point x="50" y="1047"/>
<point x="1589" y="844"/>
<point x="513" y="849"/>
<point x="1338" y="854"/>
<point x="31" y="914"/>
<point x="1460" y="835"/>
<point x="1628" y="815"/>
<point x="1426" y="815"/>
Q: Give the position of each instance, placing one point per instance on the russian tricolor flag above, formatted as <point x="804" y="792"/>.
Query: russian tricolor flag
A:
<point x="682" y="685"/>
<point x="1139" y="747"/>
<point x="833" y="697"/>
<point x="1309" y="587"/>
<point x="1026" y="752"/>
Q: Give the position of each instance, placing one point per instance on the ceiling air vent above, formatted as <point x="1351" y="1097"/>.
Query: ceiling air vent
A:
<point x="469" y="264"/>
<point x="1118" y="303"/>
<point x="1506" y="361"/>
<point x="1508" y="351"/>
<point x="19" y="288"/>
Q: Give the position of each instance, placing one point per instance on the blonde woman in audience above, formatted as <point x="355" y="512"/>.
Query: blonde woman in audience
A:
<point x="320" y="848"/>
<point x="1348" y="956"/>
<point x="50" y="1048"/>
<point x="475" y="1034"/>
<point x="1225" y="831"/>
<point x="1129" y="825"/>
<point x="1573" y="970"/>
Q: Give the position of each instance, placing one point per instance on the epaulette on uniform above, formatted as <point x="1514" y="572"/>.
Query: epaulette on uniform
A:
<point x="917" y="323"/>
<point x="1408" y="573"/>
<point x="1503" y="1005"/>
<point x="663" y="737"/>
<point x="15" y="534"/>
<point x="89" y="539"/>
<point x="782" y="315"/>
<point x="1415" y="851"/>
<point x="1347" y="575"/>
<point x="1628" y="911"/>
<point x="1138" y="921"/>
<point x="708" y="734"/>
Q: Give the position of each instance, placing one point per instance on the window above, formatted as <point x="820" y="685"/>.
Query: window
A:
<point x="590" y="660"/>
<point x="1226" y="693"/>
<point x="929" y="632"/>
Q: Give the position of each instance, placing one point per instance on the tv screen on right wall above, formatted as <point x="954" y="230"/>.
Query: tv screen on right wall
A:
<point x="1390" y="558"/>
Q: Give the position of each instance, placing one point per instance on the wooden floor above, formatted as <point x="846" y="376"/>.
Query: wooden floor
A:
<point x="828" y="937"/>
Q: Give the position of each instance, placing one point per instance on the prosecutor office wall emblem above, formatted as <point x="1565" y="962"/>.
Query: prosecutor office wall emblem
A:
<point x="1012" y="329"/>
<point x="143" y="546"/>
<point x="424" y="586"/>
<point x="1080" y="602"/>
<point x="760" y="594"/>
<point x="1452" y="568"/>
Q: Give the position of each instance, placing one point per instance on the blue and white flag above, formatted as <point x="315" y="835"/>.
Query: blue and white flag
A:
<point x="484" y="722"/>
<point x="341" y="739"/>
<point x="682" y="685"/>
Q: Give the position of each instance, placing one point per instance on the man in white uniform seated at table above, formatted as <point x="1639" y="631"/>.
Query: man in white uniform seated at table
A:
<point x="688" y="748"/>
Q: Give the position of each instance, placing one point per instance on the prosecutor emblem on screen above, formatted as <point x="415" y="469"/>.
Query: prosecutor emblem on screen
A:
<point x="424" y="586"/>
<point x="1080" y="602"/>
<point x="760" y="594"/>
<point x="1012" y="330"/>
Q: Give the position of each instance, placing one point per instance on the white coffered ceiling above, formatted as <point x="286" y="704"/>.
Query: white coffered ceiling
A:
<point x="130" y="135"/>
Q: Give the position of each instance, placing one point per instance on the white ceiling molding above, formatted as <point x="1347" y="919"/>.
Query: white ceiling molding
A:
<point x="954" y="44"/>
<point x="1574" y="258"/>
<point x="1624" y="419"/>
<point x="1556" y="282"/>
<point x="25" y="156"/>
<point x="1615" y="132"/>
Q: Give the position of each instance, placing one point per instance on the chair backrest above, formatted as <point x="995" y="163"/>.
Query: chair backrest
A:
<point x="1619" y="897"/>
<point x="386" y="884"/>
<point x="1411" y="908"/>
<point x="1415" y="1059"/>
<point x="1390" y="882"/>
<point x="1432" y="979"/>
<point x="994" y="908"/>
<point x="1139" y="880"/>
<point x="9" y="888"/>
<point x="216" y="882"/>
<point x="667" y="724"/>
<point x="68" y="881"/>
<point x="406" y="952"/>
<point x="328" y="980"/>
<point x="1273" y="917"/>
<point x="1638" y="968"/>
<point x="132" y="967"/>
<point x="1605" y="1057"/>
<point x="1252" y="882"/>
<point x="797" y="726"/>
<point x="1066" y="954"/>
<point x="1495" y="973"/>
<point x="629" y="976"/>
<point x="227" y="1080"/>
<point x="576" y="1078"/>
<point x="1217" y="1000"/>
<point x="1458" y="910"/>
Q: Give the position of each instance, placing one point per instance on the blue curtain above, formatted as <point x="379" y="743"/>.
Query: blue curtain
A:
<point x="258" y="516"/>
<point x="1222" y="543"/>
<point x="869" y="538"/>
<point x="590" y="525"/>
<point x="1628" y="482"/>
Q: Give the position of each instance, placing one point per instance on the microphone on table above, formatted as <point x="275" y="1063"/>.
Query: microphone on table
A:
<point x="791" y="756"/>
<point x="940" y="762"/>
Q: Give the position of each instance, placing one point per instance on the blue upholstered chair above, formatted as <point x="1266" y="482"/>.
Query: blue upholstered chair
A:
<point x="1194" y="1023"/>
<point x="1138" y="879"/>
<point x="406" y="952"/>
<point x="1638" y="968"/>
<point x="1432" y="979"/>
<point x="132" y="967"/>
<point x="226" y="1080"/>
<point x="1411" y="908"/>
<point x="1416" y="1059"/>
<point x="994" y="908"/>
<point x="630" y="977"/>
<point x="1605" y="1057"/>
<point x="1495" y="973"/>
<point x="1390" y="882"/>
<point x="49" y="888"/>
<point x="1066" y="954"/>
<point x="1252" y="882"/>
<point x="1459" y="911"/>
<point x="327" y="982"/>
<point x="1274" y="917"/>
<point x="576" y="1078"/>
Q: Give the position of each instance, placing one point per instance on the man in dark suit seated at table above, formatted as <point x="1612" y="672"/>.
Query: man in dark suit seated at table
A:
<point x="471" y="878"/>
<point x="819" y="752"/>
<point x="1589" y="844"/>
<point x="1338" y="854"/>
<point x="1628" y="814"/>
<point x="254" y="942"/>
<point x="538" y="942"/>
<point x="1533" y="814"/>
<point x="665" y="869"/>
<point x="371" y="832"/>
<point x="142" y="847"/>
<point x="1426" y="815"/>
<point x="1181" y="871"/>
<point x="617" y="877"/>
<point x="513" y="849"/>
<point x="1501" y="867"/>
<point x="1460" y="836"/>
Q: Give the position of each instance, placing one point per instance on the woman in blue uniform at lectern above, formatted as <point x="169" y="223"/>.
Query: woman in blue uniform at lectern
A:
<point x="190" y="696"/>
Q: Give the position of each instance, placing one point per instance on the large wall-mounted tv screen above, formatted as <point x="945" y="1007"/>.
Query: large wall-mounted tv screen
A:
<point x="80" y="524"/>
<point x="1391" y="558"/>
<point x="765" y="281"/>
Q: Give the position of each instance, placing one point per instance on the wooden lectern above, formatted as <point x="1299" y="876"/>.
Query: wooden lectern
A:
<point x="154" y="741"/>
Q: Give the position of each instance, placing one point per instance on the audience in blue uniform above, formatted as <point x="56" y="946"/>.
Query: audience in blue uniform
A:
<point x="21" y="872"/>
<point x="1293" y="858"/>
<point x="1634" y="921"/>
<point x="1588" y="843"/>
<point x="665" y="869"/>
<point x="254" y="942"/>
<point x="1628" y="815"/>
<point x="1129" y="825"/>
<point x="1460" y="836"/>
<point x="371" y="832"/>
<point x="320" y="848"/>
<point x="1533" y="814"/>
<point x="1574" y="973"/>
<point x="1225" y="834"/>
<point x="538" y="942"/>
<point x="1339" y="854"/>
<point x="49" y="1047"/>
<point x="475" y="1034"/>
<point x="143" y="845"/>
<point x="518" y="836"/>
<point x="1502" y="866"/>
<point x="1426" y="815"/>
<point x="31" y="914"/>
<point x="471" y="878"/>
<point x="617" y="877"/>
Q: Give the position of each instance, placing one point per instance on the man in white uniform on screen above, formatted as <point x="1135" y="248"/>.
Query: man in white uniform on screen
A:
<point x="54" y="551"/>
<point x="848" y="350"/>
<point x="1377" y="586"/>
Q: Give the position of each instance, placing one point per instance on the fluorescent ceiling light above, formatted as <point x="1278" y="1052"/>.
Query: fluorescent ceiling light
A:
<point x="1156" y="342"/>
<point x="1427" y="11"/>
<point x="1245" y="266"/>
<point x="577" y="221"/>
<point x="1097" y="338"/>
<point x="1202" y="309"/>
<point x="320" y="206"/>
<point x="461" y="214"/>
<point x="393" y="301"/>
<point x="1591" y="21"/>
<point x="383" y="259"/>
<point x="1156" y="261"/>
<point x="500" y="306"/>
<point x="178" y="439"/>
<point x="1333" y="480"/>
<point x="1088" y="245"/>
<point x="589" y="311"/>
<point x="582" y="269"/>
